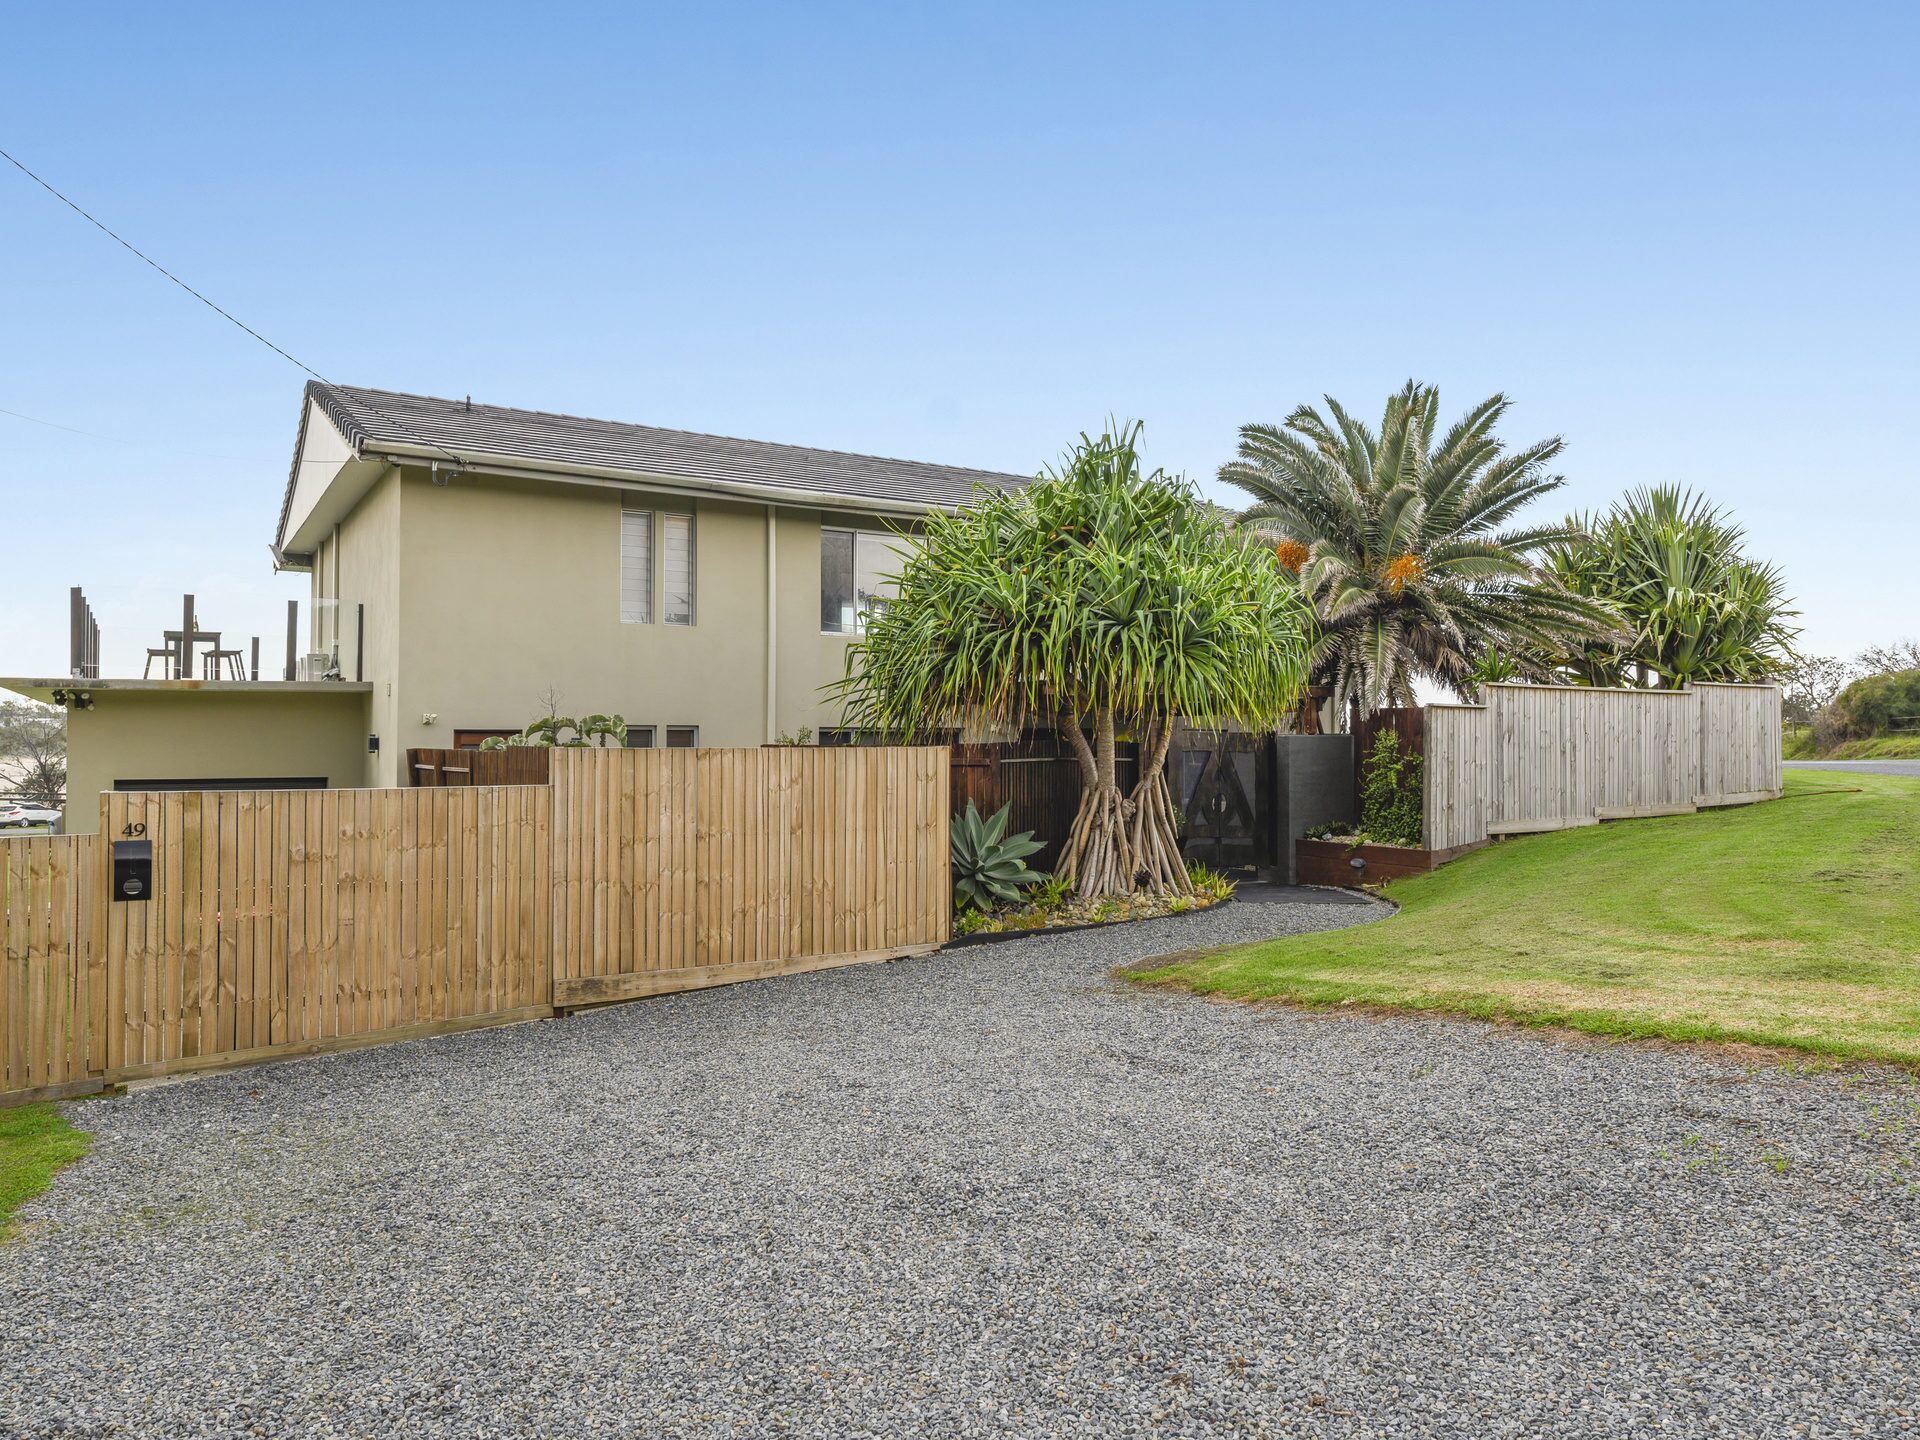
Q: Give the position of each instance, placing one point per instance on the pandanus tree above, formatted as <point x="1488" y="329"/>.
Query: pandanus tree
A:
<point x="1695" y="607"/>
<point x="1101" y="600"/>
<point x="1405" y="538"/>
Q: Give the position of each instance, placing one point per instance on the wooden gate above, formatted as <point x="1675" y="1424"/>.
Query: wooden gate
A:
<point x="289" y="920"/>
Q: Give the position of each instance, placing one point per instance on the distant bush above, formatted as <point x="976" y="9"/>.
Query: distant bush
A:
<point x="1872" y="705"/>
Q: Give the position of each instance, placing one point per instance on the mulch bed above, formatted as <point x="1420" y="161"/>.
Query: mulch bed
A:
<point x="1065" y="923"/>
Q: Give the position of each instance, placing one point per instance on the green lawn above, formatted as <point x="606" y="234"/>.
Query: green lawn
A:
<point x="35" y="1141"/>
<point x="1792" y="923"/>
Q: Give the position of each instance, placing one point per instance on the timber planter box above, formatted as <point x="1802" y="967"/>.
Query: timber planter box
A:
<point x="1330" y="862"/>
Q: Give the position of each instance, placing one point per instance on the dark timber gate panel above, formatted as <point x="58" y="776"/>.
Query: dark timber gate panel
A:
<point x="1040" y="784"/>
<point x="1223" y="784"/>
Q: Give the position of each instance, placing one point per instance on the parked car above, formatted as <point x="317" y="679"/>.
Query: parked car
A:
<point x="26" y="812"/>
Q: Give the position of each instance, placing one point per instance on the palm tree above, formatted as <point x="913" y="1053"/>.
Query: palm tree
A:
<point x="1403" y="540"/>
<point x="1696" y="608"/>
<point x="1100" y="599"/>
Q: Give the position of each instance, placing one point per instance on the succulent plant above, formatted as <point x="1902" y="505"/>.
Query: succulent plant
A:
<point x="989" y="866"/>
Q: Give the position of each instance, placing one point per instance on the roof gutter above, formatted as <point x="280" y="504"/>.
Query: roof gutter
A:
<point x="612" y="477"/>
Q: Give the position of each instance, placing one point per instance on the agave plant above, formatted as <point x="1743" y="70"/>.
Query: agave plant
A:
<point x="1404" y="540"/>
<point x="1695" y="606"/>
<point x="990" y="866"/>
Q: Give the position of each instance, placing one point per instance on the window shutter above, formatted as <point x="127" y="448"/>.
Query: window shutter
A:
<point x="677" y="569"/>
<point x="636" y="566"/>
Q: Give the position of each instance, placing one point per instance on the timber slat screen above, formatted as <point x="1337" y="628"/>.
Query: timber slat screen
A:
<point x="516" y="765"/>
<point x="1040" y="785"/>
<point x="49" y="888"/>
<point x="292" y="921"/>
<point x="1537" y="757"/>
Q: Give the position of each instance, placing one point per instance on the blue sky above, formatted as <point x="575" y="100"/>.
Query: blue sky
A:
<point x="1682" y="236"/>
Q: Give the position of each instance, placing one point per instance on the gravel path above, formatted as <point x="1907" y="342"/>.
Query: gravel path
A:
<point x="988" y="1192"/>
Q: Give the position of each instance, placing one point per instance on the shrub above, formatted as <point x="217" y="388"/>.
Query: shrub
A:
<point x="1050" y="894"/>
<point x="1873" y="704"/>
<point x="564" y="732"/>
<point x="1391" y="794"/>
<point x="1208" y="884"/>
<point x="989" y="866"/>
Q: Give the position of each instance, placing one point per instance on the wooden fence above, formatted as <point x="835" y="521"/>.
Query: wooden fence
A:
<point x="49" y="918"/>
<point x="683" y="867"/>
<point x="1740" y="744"/>
<point x="288" y="922"/>
<point x="1535" y="757"/>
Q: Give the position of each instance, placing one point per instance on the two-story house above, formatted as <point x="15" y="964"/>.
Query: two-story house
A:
<point x="471" y="562"/>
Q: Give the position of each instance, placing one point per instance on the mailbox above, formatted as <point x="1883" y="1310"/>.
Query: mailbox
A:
<point x="133" y="870"/>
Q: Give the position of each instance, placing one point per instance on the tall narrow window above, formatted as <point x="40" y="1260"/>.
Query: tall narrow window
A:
<point x="836" y="582"/>
<point x="677" y="569"/>
<point x="636" y="565"/>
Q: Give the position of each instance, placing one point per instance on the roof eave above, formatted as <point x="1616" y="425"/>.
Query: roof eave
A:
<point x="791" y="496"/>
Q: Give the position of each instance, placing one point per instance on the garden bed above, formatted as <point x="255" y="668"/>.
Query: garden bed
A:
<point x="1329" y="861"/>
<point x="1025" y="923"/>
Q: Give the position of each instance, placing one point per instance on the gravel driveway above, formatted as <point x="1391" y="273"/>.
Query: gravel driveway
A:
<point x="987" y="1192"/>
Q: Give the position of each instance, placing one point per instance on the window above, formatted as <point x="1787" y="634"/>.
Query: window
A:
<point x="683" y="737"/>
<point x="470" y="739"/>
<point x="854" y="570"/>
<point x="836" y="581"/>
<point x="678" y="571"/>
<point x="639" y="737"/>
<point x="636" y="565"/>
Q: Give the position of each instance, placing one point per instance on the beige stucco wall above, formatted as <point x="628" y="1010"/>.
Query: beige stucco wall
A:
<point x="506" y="589"/>
<point x="191" y="734"/>
<point x="364" y="552"/>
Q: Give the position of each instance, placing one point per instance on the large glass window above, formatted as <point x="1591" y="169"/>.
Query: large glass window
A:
<point x="636" y="565"/>
<point x="677" y="569"/>
<point x="854" y="570"/>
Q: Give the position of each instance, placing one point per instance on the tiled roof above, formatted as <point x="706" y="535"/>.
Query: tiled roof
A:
<point x="376" y="418"/>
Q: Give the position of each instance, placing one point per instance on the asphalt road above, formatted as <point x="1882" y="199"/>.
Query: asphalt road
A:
<point x="1861" y="767"/>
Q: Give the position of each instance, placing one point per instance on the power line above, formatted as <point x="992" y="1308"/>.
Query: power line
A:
<point x="231" y="319"/>
<point x="36" y="420"/>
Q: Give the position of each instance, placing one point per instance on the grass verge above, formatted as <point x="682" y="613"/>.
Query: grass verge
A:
<point x="35" y="1141"/>
<point x="1880" y="747"/>
<point x="1792" y="923"/>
